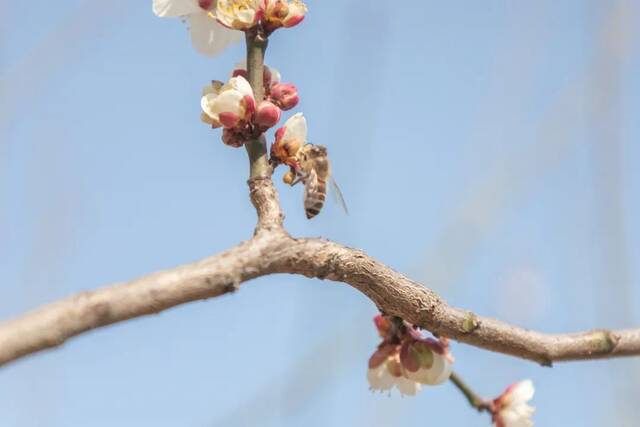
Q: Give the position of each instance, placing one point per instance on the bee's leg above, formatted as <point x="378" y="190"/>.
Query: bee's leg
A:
<point x="300" y="178"/>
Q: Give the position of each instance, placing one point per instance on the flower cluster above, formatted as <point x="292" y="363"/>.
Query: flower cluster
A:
<point x="510" y="409"/>
<point x="233" y="106"/>
<point x="406" y="359"/>
<point x="212" y="22"/>
<point x="283" y="95"/>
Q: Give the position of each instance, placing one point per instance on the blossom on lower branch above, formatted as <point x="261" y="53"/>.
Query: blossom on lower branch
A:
<point x="510" y="409"/>
<point x="406" y="359"/>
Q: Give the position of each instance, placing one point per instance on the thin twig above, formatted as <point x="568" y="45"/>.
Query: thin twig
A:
<point x="474" y="400"/>
<point x="256" y="148"/>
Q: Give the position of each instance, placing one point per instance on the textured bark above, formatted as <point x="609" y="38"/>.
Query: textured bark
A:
<point x="273" y="251"/>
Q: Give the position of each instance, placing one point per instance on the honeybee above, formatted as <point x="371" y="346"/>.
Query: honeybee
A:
<point x="309" y="164"/>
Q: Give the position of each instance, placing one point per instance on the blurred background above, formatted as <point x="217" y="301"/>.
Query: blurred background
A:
<point x="490" y="150"/>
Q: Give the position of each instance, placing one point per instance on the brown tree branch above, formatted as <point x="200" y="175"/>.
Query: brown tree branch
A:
<point x="273" y="251"/>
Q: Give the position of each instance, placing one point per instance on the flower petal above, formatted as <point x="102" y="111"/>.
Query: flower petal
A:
<point x="241" y="85"/>
<point x="208" y="37"/>
<point x="407" y="387"/>
<point x="523" y="391"/>
<point x="175" y="8"/>
<point x="229" y="101"/>
<point x="296" y="128"/>
<point x="379" y="378"/>
<point x="205" y="102"/>
<point x="516" y="418"/>
<point x="275" y="76"/>
<point x="439" y="372"/>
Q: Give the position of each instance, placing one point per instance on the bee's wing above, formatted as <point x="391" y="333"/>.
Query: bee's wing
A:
<point x="337" y="195"/>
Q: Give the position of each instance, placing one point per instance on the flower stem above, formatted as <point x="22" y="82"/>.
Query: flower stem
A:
<point x="474" y="400"/>
<point x="257" y="147"/>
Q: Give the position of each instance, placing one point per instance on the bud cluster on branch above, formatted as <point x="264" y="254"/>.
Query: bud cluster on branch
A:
<point x="233" y="106"/>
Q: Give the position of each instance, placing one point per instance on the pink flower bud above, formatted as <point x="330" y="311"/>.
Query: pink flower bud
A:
<point x="267" y="115"/>
<point x="240" y="72"/>
<point x="232" y="138"/>
<point x="280" y="134"/>
<point x="382" y="324"/>
<point x="285" y="95"/>
<point x="228" y="119"/>
<point x="249" y="105"/>
<point x="205" y="4"/>
<point x="293" y="19"/>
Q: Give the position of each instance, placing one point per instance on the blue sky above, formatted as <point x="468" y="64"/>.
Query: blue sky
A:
<point x="488" y="149"/>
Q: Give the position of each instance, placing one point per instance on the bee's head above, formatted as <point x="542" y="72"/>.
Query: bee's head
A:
<point x="318" y="151"/>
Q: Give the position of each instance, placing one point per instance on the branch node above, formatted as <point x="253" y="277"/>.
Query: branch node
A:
<point x="546" y="363"/>
<point x="233" y="286"/>
<point x="328" y="267"/>
<point x="470" y="323"/>
<point x="605" y="341"/>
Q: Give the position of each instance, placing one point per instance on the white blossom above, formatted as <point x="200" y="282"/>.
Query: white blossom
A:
<point x="227" y="105"/>
<point x="512" y="409"/>
<point x="208" y="36"/>
<point x="238" y="14"/>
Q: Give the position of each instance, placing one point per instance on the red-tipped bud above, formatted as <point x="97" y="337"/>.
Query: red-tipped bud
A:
<point x="228" y="119"/>
<point x="240" y="72"/>
<point x="292" y="20"/>
<point x="267" y="115"/>
<point x="205" y="4"/>
<point x="383" y="325"/>
<point x="285" y="95"/>
<point x="250" y="106"/>
<point x="280" y="133"/>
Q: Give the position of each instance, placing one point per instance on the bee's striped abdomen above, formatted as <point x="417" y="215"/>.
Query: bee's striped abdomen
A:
<point x="314" y="196"/>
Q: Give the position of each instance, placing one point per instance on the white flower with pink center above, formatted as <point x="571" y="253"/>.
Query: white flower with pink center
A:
<point x="511" y="407"/>
<point x="228" y="105"/>
<point x="407" y="360"/>
<point x="208" y="36"/>
<point x="239" y="14"/>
